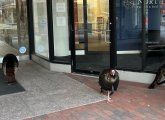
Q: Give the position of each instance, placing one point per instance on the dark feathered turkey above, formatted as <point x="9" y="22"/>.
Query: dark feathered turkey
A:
<point x="10" y="60"/>
<point x="9" y="66"/>
<point x="109" y="80"/>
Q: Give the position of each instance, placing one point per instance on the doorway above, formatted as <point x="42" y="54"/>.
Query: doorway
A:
<point x="92" y="35"/>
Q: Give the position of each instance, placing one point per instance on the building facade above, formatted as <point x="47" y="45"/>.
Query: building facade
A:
<point x="87" y="36"/>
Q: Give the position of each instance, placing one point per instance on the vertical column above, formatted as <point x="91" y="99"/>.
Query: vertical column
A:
<point x="113" y="48"/>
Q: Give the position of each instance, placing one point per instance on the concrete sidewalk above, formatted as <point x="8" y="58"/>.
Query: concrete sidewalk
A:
<point x="64" y="96"/>
<point x="45" y="92"/>
<point x="132" y="101"/>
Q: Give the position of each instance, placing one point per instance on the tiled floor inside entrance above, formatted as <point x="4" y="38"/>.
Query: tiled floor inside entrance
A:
<point x="132" y="101"/>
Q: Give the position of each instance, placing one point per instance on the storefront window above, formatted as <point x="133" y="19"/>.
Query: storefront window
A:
<point x="40" y="28"/>
<point x="129" y="34"/>
<point x="155" y="35"/>
<point x="61" y="33"/>
<point x="13" y="28"/>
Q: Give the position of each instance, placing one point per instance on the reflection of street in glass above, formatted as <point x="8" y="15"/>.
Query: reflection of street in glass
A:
<point x="8" y="39"/>
<point x="5" y="48"/>
<point x="13" y="26"/>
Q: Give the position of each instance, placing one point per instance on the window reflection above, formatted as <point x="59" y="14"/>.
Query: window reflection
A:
<point x="40" y="28"/>
<point x="13" y="27"/>
<point x="155" y="36"/>
<point x="129" y="37"/>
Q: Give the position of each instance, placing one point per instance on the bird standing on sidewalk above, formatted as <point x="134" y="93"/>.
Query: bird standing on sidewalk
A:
<point x="9" y="66"/>
<point x="109" y="80"/>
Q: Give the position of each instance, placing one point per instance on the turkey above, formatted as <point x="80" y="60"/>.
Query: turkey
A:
<point x="109" y="80"/>
<point x="159" y="78"/>
<point x="9" y="66"/>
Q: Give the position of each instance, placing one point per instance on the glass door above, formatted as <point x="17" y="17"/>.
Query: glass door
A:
<point x="92" y="35"/>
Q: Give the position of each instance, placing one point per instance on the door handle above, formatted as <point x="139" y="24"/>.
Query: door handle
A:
<point x="71" y="28"/>
<point x="105" y="37"/>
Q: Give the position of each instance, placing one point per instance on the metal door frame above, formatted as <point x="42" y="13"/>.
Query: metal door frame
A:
<point x="112" y="27"/>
